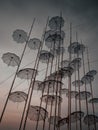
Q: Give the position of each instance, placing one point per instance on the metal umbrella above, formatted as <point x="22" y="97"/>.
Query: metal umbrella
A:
<point x="56" y="23"/>
<point x="33" y="113"/>
<point x="34" y="43"/>
<point x="18" y="96"/>
<point x="11" y="59"/>
<point x="26" y="73"/>
<point x="20" y="36"/>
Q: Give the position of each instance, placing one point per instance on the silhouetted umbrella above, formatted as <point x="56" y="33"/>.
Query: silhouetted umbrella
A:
<point x="34" y="43"/>
<point x="87" y="79"/>
<point x="76" y="48"/>
<point x="37" y="112"/>
<point x="72" y="93"/>
<point x="77" y="83"/>
<point x="11" y="59"/>
<point x="75" y="63"/>
<point x="45" y="56"/>
<point x="83" y="95"/>
<point x="26" y="73"/>
<point x="90" y="119"/>
<point x="20" y="36"/>
<point x="93" y="100"/>
<point x="75" y="116"/>
<point x="52" y="84"/>
<point x="51" y="99"/>
<point x="53" y="39"/>
<point x="92" y="72"/>
<point x="18" y="96"/>
<point x="56" y="22"/>
<point x="67" y="71"/>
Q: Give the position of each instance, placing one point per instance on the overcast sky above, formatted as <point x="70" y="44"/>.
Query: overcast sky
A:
<point x="19" y="14"/>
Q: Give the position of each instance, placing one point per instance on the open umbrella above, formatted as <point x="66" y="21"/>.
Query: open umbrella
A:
<point x="18" y="96"/>
<point x="56" y="22"/>
<point x="83" y="95"/>
<point x="20" y="36"/>
<point x="37" y="112"/>
<point x="26" y="73"/>
<point x="34" y="43"/>
<point x="11" y="59"/>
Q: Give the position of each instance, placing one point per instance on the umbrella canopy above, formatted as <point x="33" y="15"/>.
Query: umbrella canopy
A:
<point x="87" y="79"/>
<point x="37" y="112"/>
<point x="75" y="63"/>
<point x="83" y="95"/>
<point x="67" y="71"/>
<point x="51" y="84"/>
<point x="76" y="48"/>
<point x="93" y="100"/>
<point x="55" y="23"/>
<point x="54" y="39"/>
<point x="72" y="93"/>
<point x="90" y="119"/>
<point x="77" y="83"/>
<point x="65" y="63"/>
<point x="45" y="56"/>
<point x="20" y="36"/>
<point x="75" y="116"/>
<point x="18" y="96"/>
<point x="34" y="43"/>
<point x="62" y="122"/>
<point x="26" y="73"/>
<point x="51" y="99"/>
<point x="11" y="59"/>
<point x="92" y="72"/>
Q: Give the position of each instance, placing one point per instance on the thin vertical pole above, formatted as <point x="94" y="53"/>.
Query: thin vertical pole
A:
<point x="69" y="84"/>
<point x="32" y="82"/>
<point x="93" y="107"/>
<point x="85" y="88"/>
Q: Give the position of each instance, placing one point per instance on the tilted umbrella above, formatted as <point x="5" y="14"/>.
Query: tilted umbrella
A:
<point x="76" y="48"/>
<point x="75" y="116"/>
<point x="37" y="112"/>
<point x="53" y="39"/>
<point x="77" y="83"/>
<point x="18" y="96"/>
<point x="93" y="100"/>
<point x="87" y="79"/>
<point x="11" y="59"/>
<point x="51" y="99"/>
<point x="90" y="119"/>
<point x="51" y="84"/>
<point x="75" y="63"/>
<point x="72" y="94"/>
<point x="83" y="95"/>
<point x="45" y="56"/>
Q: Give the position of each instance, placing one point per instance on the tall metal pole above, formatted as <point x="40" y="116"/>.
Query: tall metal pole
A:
<point x="17" y="71"/>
